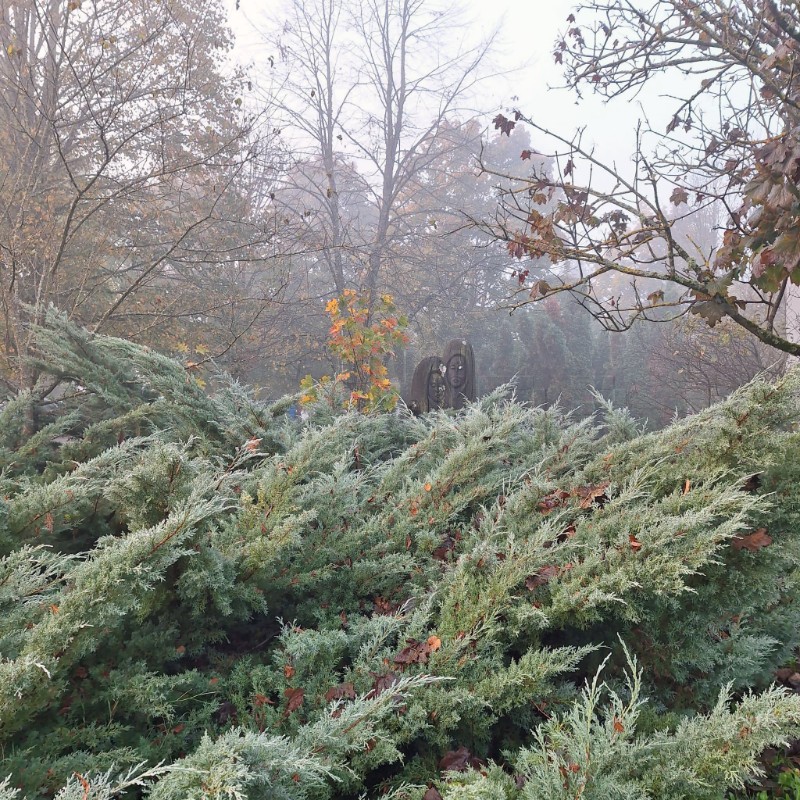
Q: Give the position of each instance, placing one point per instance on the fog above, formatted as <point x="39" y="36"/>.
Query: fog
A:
<point x="219" y="181"/>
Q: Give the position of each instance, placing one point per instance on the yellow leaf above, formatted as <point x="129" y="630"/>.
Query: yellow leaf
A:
<point x="182" y="347"/>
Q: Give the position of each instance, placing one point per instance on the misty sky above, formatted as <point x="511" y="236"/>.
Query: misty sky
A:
<point x="527" y="31"/>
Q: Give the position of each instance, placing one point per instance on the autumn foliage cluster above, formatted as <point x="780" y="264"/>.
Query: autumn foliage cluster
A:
<point x="203" y="597"/>
<point x="362" y="336"/>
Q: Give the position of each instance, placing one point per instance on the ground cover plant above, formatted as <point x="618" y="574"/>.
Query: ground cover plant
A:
<point x="201" y="596"/>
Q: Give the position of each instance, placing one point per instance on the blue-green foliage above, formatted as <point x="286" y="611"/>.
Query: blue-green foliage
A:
<point x="201" y="596"/>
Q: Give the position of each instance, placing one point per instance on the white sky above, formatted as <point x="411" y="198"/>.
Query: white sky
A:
<point x="527" y="32"/>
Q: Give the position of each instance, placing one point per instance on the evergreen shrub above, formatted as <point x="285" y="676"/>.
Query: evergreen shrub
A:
<point x="201" y="597"/>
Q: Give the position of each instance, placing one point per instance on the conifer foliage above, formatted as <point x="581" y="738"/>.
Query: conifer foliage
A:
<point x="203" y="598"/>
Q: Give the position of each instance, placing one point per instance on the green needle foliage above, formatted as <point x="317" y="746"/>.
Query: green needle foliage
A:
<point x="203" y="598"/>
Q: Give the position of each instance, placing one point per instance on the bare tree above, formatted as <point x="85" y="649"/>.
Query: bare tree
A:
<point x="691" y="366"/>
<point x="370" y="90"/>
<point x="732" y="142"/>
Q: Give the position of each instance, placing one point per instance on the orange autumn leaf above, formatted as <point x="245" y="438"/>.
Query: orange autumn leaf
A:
<point x="434" y="642"/>
<point x="634" y="543"/>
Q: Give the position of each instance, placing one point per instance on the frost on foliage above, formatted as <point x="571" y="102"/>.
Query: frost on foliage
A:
<point x="594" y="750"/>
<point x="382" y="605"/>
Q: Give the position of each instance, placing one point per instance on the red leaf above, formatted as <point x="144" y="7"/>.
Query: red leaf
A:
<point x="525" y="155"/>
<point x="541" y="577"/>
<point x="415" y="653"/>
<point x="636" y="545"/>
<point x="552" y="501"/>
<point x="459" y="760"/>
<point x="295" y="700"/>
<point x="590" y="495"/>
<point x="679" y="196"/>
<point x="432" y="794"/>
<point x="381" y="684"/>
<point x="343" y="691"/>
<point x="503" y="124"/>
<point x="753" y="541"/>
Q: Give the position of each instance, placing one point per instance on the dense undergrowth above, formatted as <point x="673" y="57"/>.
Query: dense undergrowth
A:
<point x="201" y="597"/>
